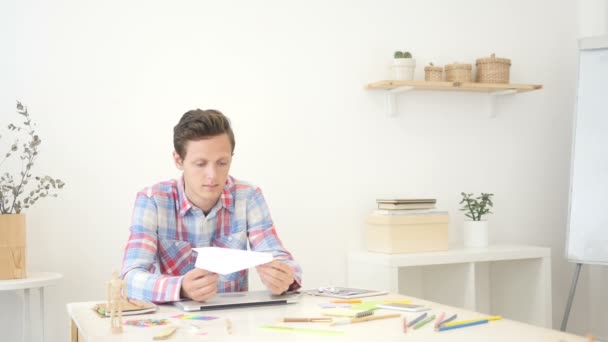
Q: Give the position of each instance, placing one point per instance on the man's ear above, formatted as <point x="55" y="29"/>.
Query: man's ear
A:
<point x="179" y="163"/>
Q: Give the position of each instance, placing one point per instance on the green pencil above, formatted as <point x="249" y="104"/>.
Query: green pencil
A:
<point x="423" y="322"/>
<point x="302" y="330"/>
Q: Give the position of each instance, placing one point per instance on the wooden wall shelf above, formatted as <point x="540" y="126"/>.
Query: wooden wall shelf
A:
<point x="494" y="89"/>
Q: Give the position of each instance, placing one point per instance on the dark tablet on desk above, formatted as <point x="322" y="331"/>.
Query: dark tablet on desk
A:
<point x="230" y="300"/>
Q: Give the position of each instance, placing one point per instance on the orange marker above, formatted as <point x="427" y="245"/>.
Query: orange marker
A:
<point x="347" y="301"/>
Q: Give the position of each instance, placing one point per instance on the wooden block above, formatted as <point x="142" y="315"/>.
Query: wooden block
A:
<point x="165" y="333"/>
<point x="404" y="238"/>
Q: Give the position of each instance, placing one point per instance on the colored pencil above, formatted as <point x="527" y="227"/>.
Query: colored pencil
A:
<point x="490" y="318"/>
<point x="417" y="319"/>
<point x="449" y="319"/>
<point x="307" y="319"/>
<point x="365" y="319"/>
<point x="303" y="330"/>
<point x="424" y="322"/>
<point x="439" y="319"/>
<point x="442" y="328"/>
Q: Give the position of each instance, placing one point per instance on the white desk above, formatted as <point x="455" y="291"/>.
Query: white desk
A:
<point x="512" y="281"/>
<point x="246" y="323"/>
<point x="34" y="280"/>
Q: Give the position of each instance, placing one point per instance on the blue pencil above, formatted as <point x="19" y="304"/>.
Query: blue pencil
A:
<point x="416" y="320"/>
<point x="442" y="328"/>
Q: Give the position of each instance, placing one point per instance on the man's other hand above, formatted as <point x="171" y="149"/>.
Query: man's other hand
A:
<point x="199" y="285"/>
<point x="276" y="275"/>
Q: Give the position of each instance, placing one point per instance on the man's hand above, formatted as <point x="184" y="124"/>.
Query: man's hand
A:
<point x="199" y="285"/>
<point x="276" y="275"/>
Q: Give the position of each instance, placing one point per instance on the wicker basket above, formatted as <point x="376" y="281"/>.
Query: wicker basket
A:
<point x="493" y="70"/>
<point x="433" y="73"/>
<point x="459" y="72"/>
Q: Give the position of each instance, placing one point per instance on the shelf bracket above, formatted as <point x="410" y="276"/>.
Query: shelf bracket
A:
<point x="391" y="100"/>
<point x="495" y="95"/>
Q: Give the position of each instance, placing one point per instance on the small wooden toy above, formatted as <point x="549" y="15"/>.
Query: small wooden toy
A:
<point x="116" y="295"/>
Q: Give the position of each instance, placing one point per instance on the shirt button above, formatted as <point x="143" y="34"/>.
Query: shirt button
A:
<point x="230" y="238"/>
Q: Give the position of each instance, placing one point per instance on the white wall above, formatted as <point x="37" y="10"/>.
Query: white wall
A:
<point x="106" y="82"/>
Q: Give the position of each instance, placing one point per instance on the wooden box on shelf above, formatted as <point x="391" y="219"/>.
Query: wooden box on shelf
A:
<point x="433" y="73"/>
<point x="493" y="70"/>
<point x="407" y="233"/>
<point x="459" y="72"/>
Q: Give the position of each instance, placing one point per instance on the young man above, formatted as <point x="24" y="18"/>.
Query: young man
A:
<point x="205" y="207"/>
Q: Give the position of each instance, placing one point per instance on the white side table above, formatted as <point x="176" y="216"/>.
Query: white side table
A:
<point x="34" y="280"/>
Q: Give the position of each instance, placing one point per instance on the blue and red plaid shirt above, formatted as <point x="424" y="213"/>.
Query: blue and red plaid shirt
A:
<point x="166" y="226"/>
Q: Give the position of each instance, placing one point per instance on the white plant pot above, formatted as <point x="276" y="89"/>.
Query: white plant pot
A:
<point x="475" y="233"/>
<point x="403" y="69"/>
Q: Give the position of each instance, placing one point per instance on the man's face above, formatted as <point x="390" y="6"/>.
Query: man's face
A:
<point x="206" y="166"/>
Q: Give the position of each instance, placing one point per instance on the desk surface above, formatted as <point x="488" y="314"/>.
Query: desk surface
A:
<point x="33" y="280"/>
<point x="246" y="323"/>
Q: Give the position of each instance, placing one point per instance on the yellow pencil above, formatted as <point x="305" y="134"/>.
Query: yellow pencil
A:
<point x="489" y="318"/>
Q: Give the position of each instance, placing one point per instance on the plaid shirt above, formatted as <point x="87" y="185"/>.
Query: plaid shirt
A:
<point x="166" y="226"/>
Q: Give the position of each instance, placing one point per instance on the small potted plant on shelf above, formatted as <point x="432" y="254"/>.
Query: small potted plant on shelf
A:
<point x="475" y="230"/>
<point x="404" y="65"/>
<point x="20" y="190"/>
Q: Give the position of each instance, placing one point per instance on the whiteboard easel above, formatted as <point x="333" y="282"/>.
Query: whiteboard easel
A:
<point x="587" y="235"/>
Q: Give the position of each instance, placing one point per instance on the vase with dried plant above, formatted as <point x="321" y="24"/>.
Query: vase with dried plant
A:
<point x="19" y="190"/>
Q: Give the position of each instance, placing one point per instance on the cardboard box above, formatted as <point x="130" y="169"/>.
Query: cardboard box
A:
<point x="12" y="246"/>
<point x="407" y="233"/>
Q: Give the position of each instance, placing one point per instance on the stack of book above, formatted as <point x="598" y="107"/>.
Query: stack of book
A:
<point x="407" y="226"/>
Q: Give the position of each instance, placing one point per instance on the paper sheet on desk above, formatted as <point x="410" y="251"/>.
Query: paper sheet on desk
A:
<point x="227" y="260"/>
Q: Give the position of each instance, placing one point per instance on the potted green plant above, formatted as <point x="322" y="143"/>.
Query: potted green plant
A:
<point x="403" y="65"/>
<point x="475" y="230"/>
<point x="19" y="190"/>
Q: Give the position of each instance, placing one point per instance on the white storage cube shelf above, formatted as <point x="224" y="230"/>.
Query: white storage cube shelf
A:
<point x="512" y="281"/>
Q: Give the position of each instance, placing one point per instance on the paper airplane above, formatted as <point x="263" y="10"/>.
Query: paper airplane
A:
<point x="227" y="260"/>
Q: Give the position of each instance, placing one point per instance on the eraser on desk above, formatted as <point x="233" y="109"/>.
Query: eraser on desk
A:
<point x="165" y="333"/>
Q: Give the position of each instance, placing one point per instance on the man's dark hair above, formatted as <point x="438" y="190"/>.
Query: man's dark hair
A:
<point x="200" y="124"/>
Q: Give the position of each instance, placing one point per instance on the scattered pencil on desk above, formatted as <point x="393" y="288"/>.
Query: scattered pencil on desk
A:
<point x="439" y="320"/>
<point x="424" y="322"/>
<point x="462" y="325"/>
<point x="364" y="319"/>
<point x="489" y="318"/>
<point x="404" y="325"/>
<point x="302" y="330"/>
<point x="417" y="319"/>
<point x="347" y="301"/>
<point x="307" y="319"/>
<point x="449" y="319"/>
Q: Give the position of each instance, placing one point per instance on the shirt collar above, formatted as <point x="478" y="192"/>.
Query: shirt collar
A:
<point x="226" y="199"/>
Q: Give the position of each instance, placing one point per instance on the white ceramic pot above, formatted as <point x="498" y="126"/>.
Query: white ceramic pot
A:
<point x="475" y="233"/>
<point x="403" y="69"/>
